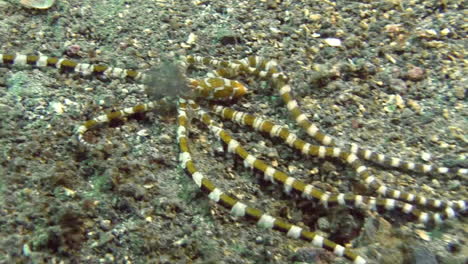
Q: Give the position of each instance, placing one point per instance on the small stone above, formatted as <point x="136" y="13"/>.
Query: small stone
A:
<point x="73" y="50"/>
<point x="109" y="257"/>
<point x="272" y="153"/>
<point x="5" y="108"/>
<point x="435" y="183"/>
<point x="426" y="156"/>
<point x="164" y="259"/>
<point x="104" y="238"/>
<point x="315" y="17"/>
<point x="427" y="188"/>
<point x="415" y="74"/>
<point x="192" y="38"/>
<point x="399" y="101"/>
<point x="460" y="92"/>
<point x="26" y="250"/>
<point x="165" y="139"/>
<point x="453" y="185"/>
<point x="229" y="38"/>
<point x="271" y="4"/>
<point x="323" y="223"/>
<point x="446" y="113"/>
<point x="414" y="106"/>
<point x="38" y="4"/>
<point x="105" y="224"/>
<point x="69" y="192"/>
<point x="3" y="5"/>
<point x="311" y="255"/>
<point x="259" y="240"/>
<point x="333" y="42"/>
<point x="143" y="133"/>
<point x="57" y="107"/>
<point x="423" y="235"/>
<point x="431" y="32"/>
<point x="292" y="169"/>
<point x="398" y="86"/>
<point x="132" y="190"/>
<point x="445" y="32"/>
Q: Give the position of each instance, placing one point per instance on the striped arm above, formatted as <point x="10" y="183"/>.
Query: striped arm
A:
<point x="354" y="161"/>
<point x="106" y="118"/>
<point x="218" y="88"/>
<point x="305" y="148"/>
<point x="198" y="60"/>
<point x="239" y="209"/>
<point x="253" y="65"/>
<point x="269" y="70"/>
<point x="70" y="65"/>
<point x="378" y="158"/>
<point x="387" y="161"/>
<point x="209" y="88"/>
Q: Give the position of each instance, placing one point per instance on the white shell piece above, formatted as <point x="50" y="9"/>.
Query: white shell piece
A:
<point x="38" y="4"/>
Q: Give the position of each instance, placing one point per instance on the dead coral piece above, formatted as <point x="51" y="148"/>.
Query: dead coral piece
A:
<point x="38" y="4"/>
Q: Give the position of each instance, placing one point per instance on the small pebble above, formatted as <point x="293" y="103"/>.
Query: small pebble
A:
<point x="105" y="224"/>
<point x="165" y="139"/>
<point x="271" y="4"/>
<point x="259" y="240"/>
<point x="460" y="92"/>
<point x="143" y="133"/>
<point x="38" y="4"/>
<point x="73" y="50"/>
<point x="415" y="74"/>
<point x="445" y="32"/>
<point x="323" y="223"/>
<point x="435" y="183"/>
<point x="26" y="250"/>
<point x="398" y="86"/>
<point x="192" y="38"/>
<point x="454" y="185"/>
<point x="57" y="107"/>
<point x="426" y="156"/>
<point x="333" y="42"/>
<point x="110" y="257"/>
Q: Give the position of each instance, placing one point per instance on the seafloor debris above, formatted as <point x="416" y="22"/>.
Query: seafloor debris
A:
<point x="38" y="4"/>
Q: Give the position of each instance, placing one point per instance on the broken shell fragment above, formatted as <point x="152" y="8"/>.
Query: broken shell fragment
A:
<point x="333" y="42"/>
<point x="38" y="4"/>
